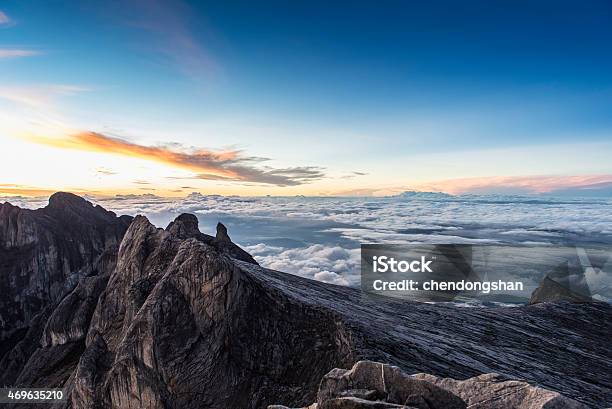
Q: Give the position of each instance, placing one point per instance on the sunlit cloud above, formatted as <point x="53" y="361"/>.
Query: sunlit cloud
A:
<point x="23" y="190"/>
<point x="520" y="184"/>
<point x="205" y="164"/>
<point x="369" y="191"/>
<point x="567" y="185"/>
<point x="6" y="53"/>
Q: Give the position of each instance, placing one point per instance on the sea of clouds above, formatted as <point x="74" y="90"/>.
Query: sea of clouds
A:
<point x="319" y="237"/>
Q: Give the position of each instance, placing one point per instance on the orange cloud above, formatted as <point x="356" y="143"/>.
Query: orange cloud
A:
<point x="206" y="164"/>
<point x="24" y="190"/>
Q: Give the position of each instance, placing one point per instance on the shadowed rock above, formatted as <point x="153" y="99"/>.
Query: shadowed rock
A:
<point x="551" y="291"/>
<point x="222" y="235"/>
<point x="70" y="319"/>
<point x="184" y="226"/>
<point x="45" y="251"/>
<point x="201" y="333"/>
<point x="16" y="358"/>
<point x="224" y="243"/>
<point x="43" y="254"/>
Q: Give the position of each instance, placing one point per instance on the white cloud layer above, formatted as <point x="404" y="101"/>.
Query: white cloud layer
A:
<point x="319" y="237"/>
<point x="331" y="264"/>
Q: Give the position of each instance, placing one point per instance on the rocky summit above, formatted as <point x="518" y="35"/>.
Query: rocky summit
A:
<point x="174" y="318"/>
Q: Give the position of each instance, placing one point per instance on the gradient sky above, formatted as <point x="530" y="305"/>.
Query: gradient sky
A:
<point x="313" y="98"/>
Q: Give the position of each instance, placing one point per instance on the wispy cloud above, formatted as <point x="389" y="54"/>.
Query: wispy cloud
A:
<point x="166" y="30"/>
<point x="206" y="164"/>
<point x="104" y="171"/>
<point x="353" y="175"/>
<point x="6" y="53"/>
<point x="4" y="19"/>
<point x="38" y="96"/>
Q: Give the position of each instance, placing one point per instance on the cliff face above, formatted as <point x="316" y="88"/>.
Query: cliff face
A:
<point x="187" y="320"/>
<point x="181" y="325"/>
<point x="43" y="252"/>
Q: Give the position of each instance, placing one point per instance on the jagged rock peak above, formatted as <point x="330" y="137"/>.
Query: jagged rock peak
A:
<point x="61" y="199"/>
<point x="7" y="205"/>
<point x="185" y="225"/>
<point x="222" y="235"/>
<point x="65" y="204"/>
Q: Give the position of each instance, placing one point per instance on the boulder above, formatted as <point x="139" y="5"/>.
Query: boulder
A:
<point x="370" y="385"/>
<point x="494" y="391"/>
<point x="375" y="381"/>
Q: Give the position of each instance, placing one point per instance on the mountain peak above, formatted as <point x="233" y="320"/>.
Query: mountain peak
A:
<point x="63" y="199"/>
<point x="185" y="225"/>
<point x="65" y="205"/>
<point x="222" y="235"/>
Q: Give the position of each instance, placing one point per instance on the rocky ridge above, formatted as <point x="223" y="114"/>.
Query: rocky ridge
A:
<point x="43" y="255"/>
<point x="374" y="385"/>
<point x="187" y="320"/>
<point x="44" y="251"/>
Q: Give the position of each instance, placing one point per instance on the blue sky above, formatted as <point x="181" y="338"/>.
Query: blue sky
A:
<point x="341" y="98"/>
